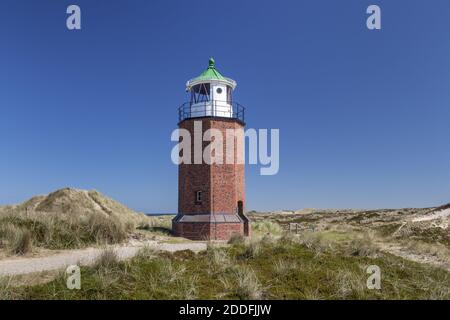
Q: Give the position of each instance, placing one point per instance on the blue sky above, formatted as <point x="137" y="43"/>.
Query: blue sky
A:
<point x="363" y="115"/>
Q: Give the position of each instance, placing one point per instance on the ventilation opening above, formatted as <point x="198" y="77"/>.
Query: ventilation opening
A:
<point x="198" y="197"/>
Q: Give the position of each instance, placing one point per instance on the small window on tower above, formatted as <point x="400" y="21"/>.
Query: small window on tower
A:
<point x="198" y="197"/>
<point x="219" y="90"/>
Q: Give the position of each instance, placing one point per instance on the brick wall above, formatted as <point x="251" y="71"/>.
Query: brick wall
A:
<point x="223" y="231"/>
<point x="206" y="230"/>
<point x="222" y="186"/>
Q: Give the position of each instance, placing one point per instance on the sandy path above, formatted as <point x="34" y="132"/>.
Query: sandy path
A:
<point x="436" y="215"/>
<point x="402" y="252"/>
<point x="19" y="266"/>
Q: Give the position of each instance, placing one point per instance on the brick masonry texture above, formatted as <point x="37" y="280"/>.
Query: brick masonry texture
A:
<point x="222" y="186"/>
<point x="206" y="230"/>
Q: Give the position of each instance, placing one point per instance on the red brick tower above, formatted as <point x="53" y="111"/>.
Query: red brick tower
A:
<point x="211" y="196"/>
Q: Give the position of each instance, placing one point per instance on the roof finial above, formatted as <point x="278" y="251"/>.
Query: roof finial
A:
<point x="211" y="63"/>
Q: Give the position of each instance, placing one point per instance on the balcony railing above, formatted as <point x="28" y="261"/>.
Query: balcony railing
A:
<point x="212" y="108"/>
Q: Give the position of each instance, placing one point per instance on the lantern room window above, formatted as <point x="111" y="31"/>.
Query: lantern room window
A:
<point x="229" y="93"/>
<point x="200" y="93"/>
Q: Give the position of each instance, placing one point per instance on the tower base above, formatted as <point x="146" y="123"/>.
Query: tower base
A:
<point x="210" y="226"/>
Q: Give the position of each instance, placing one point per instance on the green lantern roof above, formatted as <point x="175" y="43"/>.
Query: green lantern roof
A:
<point x="211" y="73"/>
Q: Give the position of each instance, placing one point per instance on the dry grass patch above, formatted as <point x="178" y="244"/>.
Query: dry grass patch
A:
<point x="283" y="267"/>
<point x="253" y="249"/>
<point x="236" y="239"/>
<point x="349" y="285"/>
<point x="363" y="247"/>
<point x="157" y="225"/>
<point x="54" y="231"/>
<point x="107" y="259"/>
<point x="16" y="240"/>
<point x="437" y="250"/>
<point x="218" y="260"/>
<point x="146" y="253"/>
<point x="66" y="219"/>
<point x="315" y="241"/>
<point x="266" y="227"/>
<point x="243" y="284"/>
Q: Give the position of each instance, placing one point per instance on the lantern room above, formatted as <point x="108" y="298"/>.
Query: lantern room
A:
<point x="211" y="94"/>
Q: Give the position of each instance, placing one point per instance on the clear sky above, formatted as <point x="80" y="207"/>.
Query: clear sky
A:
<point x="363" y="115"/>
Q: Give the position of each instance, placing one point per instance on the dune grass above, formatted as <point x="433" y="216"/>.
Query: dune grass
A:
<point x="18" y="233"/>
<point x="292" y="267"/>
<point x="264" y="227"/>
<point x="70" y="218"/>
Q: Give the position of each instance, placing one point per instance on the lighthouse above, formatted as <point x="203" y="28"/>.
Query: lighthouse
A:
<point x="211" y="196"/>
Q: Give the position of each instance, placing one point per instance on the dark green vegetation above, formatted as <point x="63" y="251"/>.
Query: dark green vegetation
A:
<point x="308" y="266"/>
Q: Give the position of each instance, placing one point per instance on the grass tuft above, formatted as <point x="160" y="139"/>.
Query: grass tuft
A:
<point x="236" y="239"/>
<point x="20" y="242"/>
<point x="266" y="228"/>
<point x="363" y="246"/>
<point x="253" y="249"/>
<point x="244" y="284"/>
<point x="349" y="285"/>
<point x="284" y="267"/>
<point x="219" y="260"/>
<point x="106" y="260"/>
